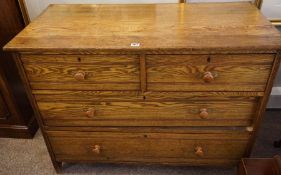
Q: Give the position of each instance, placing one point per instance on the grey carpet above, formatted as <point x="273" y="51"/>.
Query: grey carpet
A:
<point x="28" y="157"/>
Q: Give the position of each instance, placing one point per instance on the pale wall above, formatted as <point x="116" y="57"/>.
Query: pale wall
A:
<point x="272" y="8"/>
<point x="35" y="7"/>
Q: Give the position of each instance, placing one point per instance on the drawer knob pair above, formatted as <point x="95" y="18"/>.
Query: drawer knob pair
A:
<point x="90" y="112"/>
<point x="203" y="113"/>
<point x="208" y="77"/>
<point x="96" y="149"/>
<point x="80" y="76"/>
<point x="199" y="151"/>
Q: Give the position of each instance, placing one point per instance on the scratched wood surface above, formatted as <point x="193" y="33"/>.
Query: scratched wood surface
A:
<point x="218" y="26"/>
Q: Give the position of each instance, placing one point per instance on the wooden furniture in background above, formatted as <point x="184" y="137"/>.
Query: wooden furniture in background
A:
<point x="16" y="115"/>
<point x="258" y="3"/>
<point x="183" y="84"/>
<point x="23" y="10"/>
<point x="260" y="166"/>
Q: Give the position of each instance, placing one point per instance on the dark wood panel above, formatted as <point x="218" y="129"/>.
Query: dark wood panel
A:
<point x="260" y="166"/>
<point x="4" y="111"/>
<point x="11" y="88"/>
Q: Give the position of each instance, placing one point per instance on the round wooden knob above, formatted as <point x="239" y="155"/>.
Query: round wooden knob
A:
<point x="203" y="113"/>
<point x="96" y="149"/>
<point x="199" y="151"/>
<point x="90" y="112"/>
<point x="80" y="76"/>
<point x="208" y="77"/>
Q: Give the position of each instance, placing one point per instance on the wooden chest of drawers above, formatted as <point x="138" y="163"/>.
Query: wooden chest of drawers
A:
<point x="166" y="84"/>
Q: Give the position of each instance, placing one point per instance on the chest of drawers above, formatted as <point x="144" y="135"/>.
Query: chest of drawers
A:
<point x="166" y="84"/>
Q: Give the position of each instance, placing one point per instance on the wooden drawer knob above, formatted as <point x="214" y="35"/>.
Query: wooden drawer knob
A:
<point x="80" y="76"/>
<point x="208" y="77"/>
<point x="96" y="149"/>
<point x="90" y="112"/>
<point x="203" y="113"/>
<point x="199" y="151"/>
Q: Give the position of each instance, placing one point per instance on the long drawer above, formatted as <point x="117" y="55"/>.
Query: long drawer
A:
<point x="83" y="72"/>
<point x="191" y="149"/>
<point x="200" y="111"/>
<point x="247" y="72"/>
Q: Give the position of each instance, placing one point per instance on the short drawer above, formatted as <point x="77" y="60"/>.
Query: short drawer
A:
<point x="82" y="72"/>
<point x="248" y="72"/>
<point x="203" y="112"/>
<point x="191" y="149"/>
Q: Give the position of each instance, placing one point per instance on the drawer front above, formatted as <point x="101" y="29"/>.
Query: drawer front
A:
<point x="147" y="147"/>
<point x="208" y="73"/>
<point x="222" y="112"/>
<point x="79" y="72"/>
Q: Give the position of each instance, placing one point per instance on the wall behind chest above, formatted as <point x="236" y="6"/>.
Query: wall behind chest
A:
<point x="35" y="7"/>
<point x="272" y="9"/>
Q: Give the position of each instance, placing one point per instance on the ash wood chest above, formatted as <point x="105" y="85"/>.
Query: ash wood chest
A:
<point x="179" y="84"/>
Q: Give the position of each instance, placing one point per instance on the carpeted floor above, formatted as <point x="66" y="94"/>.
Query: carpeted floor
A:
<point x="28" y="157"/>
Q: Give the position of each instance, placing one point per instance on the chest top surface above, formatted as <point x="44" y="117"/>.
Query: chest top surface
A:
<point x="209" y="26"/>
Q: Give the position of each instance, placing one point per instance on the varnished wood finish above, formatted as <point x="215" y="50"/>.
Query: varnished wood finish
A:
<point x="112" y="72"/>
<point x="263" y="102"/>
<point x="149" y="83"/>
<point x="223" y="112"/>
<point x="16" y="115"/>
<point x="145" y="147"/>
<point x="224" y="72"/>
<point x="182" y="27"/>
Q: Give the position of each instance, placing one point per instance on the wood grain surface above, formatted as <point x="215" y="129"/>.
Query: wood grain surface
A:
<point x="113" y="72"/>
<point x="186" y="27"/>
<point x="221" y="112"/>
<point x="177" y="84"/>
<point x="231" y="72"/>
<point x="146" y="147"/>
<point x="107" y="96"/>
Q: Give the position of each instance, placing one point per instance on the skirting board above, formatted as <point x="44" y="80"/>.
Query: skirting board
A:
<point x="276" y="22"/>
